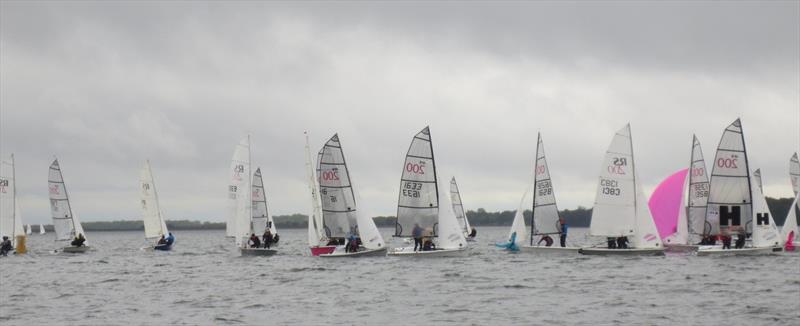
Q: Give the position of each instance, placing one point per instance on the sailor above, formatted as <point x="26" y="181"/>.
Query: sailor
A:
<point x="163" y="240"/>
<point x="428" y="245"/>
<point x="254" y="241"/>
<point x="511" y="244"/>
<point x="740" y="241"/>
<point x="170" y="239"/>
<point x="726" y="241"/>
<point x="416" y="233"/>
<point x="267" y="238"/>
<point x="6" y="247"/>
<point x="79" y="240"/>
<point x="473" y="233"/>
<point x="562" y="237"/>
<point x="612" y="243"/>
<point x="622" y="243"/>
<point x="789" y="246"/>
<point x="548" y="241"/>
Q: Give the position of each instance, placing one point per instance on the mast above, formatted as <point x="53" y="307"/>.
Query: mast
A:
<point x="14" y="199"/>
<point x="747" y="165"/>
<point x="635" y="185"/>
<point x="535" y="178"/>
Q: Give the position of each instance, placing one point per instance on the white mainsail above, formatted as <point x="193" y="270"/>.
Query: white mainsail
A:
<point x="449" y="231"/>
<point x="29" y="231"/>
<point x="418" y="200"/>
<point x="518" y="225"/>
<point x="65" y="222"/>
<point x="730" y="198"/>
<point x="765" y="231"/>
<point x="154" y="225"/>
<point x="544" y="217"/>
<point x="458" y="207"/>
<point x="698" y="190"/>
<point x="620" y="207"/>
<point x="41" y="229"/>
<point x="336" y="192"/>
<point x="315" y="236"/>
<point x="10" y="219"/>
<point x="794" y="173"/>
<point x="261" y="217"/>
<point x="239" y="194"/>
<point x="790" y="223"/>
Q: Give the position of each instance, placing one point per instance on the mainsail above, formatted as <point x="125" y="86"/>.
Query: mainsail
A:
<point x="544" y="217"/>
<point x="418" y="200"/>
<point x="794" y="173"/>
<point x="41" y="229"/>
<point x="730" y="194"/>
<point x="261" y="217"/>
<point x="65" y="223"/>
<point x="336" y="192"/>
<point x="239" y="194"/>
<point x="518" y="224"/>
<point x="10" y="219"/>
<point x="698" y="191"/>
<point x="315" y="236"/>
<point x="765" y="231"/>
<point x="458" y="207"/>
<point x="450" y="235"/>
<point x="154" y="225"/>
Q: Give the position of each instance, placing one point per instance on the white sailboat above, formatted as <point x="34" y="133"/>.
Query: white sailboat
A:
<point x="794" y="173"/>
<point x="735" y="199"/>
<point x="458" y="209"/>
<point x="240" y="201"/>
<point x="29" y="230"/>
<point x="697" y="200"/>
<point x="418" y="204"/>
<point x="620" y="209"/>
<point x="317" y="239"/>
<point x="66" y="224"/>
<point x="262" y="219"/>
<point x="518" y="234"/>
<point x="544" y="216"/>
<point x="154" y="225"/>
<point x="41" y="229"/>
<point x="10" y="217"/>
<point x="339" y="213"/>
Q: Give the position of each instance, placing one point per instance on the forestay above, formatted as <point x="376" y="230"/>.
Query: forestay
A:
<point x="261" y="217"/>
<point x="418" y="200"/>
<point x="458" y="207"/>
<point x="614" y="212"/>
<point x="240" y="203"/>
<point x="698" y="191"/>
<point x="10" y="219"/>
<point x="65" y="223"/>
<point x="730" y="199"/>
<point x="154" y="225"/>
<point x="794" y="173"/>
<point x="336" y="192"/>
<point x="544" y="219"/>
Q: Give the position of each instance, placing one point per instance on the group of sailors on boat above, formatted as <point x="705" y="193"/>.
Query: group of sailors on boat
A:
<point x="168" y="240"/>
<point x="617" y="243"/>
<point x="266" y="241"/>
<point x="423" y="239"/>
<point x="78" y="241"/>
<point x="725" y="237"/>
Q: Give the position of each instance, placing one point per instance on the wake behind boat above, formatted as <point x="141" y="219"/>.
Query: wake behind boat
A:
<point x="66" y="224"/>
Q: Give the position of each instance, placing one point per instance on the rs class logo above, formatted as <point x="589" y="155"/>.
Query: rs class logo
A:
<point x="237" y="171"/>
<point x="620" y="161"/>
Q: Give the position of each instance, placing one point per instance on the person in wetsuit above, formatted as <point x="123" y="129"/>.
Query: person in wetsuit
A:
<point x="267" y="238"/>
<point x="416" y="233"/>
<point x="162" y="241"/>
<point x="740" y="240"/>
<point x="562" y="237"/>
<point x="473" y="233"/>
<point x="548" y="241"/>
<point x="612" y="243"/>
<point x="6" y="246"/>
<point x="170" y="239"/>
<point x="254" y="241"/>
<point x="79" y="240"/>
<point x="622" y="243"/>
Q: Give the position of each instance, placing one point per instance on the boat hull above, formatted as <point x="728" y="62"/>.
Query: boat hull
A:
<point x="680" y="247"/>
<point x="322" y="250"/>
<point x="257" y="251"/>
<point x="622" y="252"/>
<point x="553" y="250"/>
<point x="163" y="247"/>
<point x="363" y="253"/>
<point x="409" y="252"/>
<point x="718" y="251"/>
<point x="76" y="250"/>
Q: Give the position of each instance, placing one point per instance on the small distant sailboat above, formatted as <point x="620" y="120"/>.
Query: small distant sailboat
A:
<point x="544" y="216"/>
<point x="620" y="209"/>
<point x="339" y="213"/>
<point x="41" y="229"/>
<point x="153" y="218"/>
<point x="518" y="234"/>
<point x="461" y="215"/>
<point x="418" y="204"/>
<point x="10" y="217"/>
<point x="317" y="238"/>
<point x="736" y="204"/>
<point x="29" y="230"/>
<point x="240" y="199"/>
<point x="262" y="219"/>
<point x="66" y="224"/>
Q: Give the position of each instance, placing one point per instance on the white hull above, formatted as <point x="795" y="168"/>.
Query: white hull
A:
<point x="363" y="253"/>
<point x="680" y="247"/>
<point x="552" y="249"/>
<point x="718" y="251"/>
<point x="257" y="251"/>
<point x="409" y="252"/>
<point x="76" y="250"/>
<point x="621" y="252"/>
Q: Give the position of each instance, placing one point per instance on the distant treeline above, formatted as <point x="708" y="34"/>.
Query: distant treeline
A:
<point x="579" y="217"/>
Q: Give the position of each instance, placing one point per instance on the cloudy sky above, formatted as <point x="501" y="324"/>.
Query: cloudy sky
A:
<point x="104" y="86"/>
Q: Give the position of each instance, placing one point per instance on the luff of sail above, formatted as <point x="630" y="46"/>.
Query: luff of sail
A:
<point x="239" y="193"/>
<point x="614" y="212"/>
<point x="544" y="216"/>
<point x="794" y="173"/>
<point x="154" y="225"/>
<point x="315" y="236"/>
<point x="730" y="198"/>
<point x="450" y="235"/>
<point x="458" y="207"/>
<point x="10" y="223"/>
<point x="261" y="217"/>
<point x="336" y="191"/>
<point x="65" y="223"/>
<point x="698" y="191"/>
<point x="418" y="200"/>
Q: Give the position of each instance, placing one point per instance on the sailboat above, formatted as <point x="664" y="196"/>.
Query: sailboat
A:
<point x="317" y="238"/>
<point x="418" y="204"/>
<point x="458" y="208"/>
<point x="620" y="208"/>
<point x="41" y="229"/>
<point x="240" y="202"/>
<point x="339" y="213"/>
<point x="544" y="216"/>
<point x="736" y="204"/>
<point x="10" y="217"/>
<point x="790" y="231"/>
<point x="794" y="173"/>
<point x="518" y="234"/>
<point x="153" y="218"/>
<point x="29" y="231"/>
<point x="262" y="219"/>
<point x="66" y="224"/>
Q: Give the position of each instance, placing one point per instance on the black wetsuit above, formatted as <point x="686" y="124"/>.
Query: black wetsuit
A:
<point x="6" y="247"/>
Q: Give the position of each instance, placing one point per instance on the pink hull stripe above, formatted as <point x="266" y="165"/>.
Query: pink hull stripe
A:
<point x="665" y="203"/>
<point x="316" y="251"/>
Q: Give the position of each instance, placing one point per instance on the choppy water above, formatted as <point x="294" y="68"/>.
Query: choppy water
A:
<point x="204" y="281"/>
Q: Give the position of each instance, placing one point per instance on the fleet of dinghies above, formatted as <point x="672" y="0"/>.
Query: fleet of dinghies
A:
<point x="724" y="214"/>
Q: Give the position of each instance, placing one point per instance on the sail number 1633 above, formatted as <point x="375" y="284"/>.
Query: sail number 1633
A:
<point x="411" y="189"/>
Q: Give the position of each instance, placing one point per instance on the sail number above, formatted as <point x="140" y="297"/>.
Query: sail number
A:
<point x="54" y="190"/>
<point x="411" y="189"/>
<point x="540" y="169"/>
<point x="610" y="187"/>
<point x="544" y="188"/>
<point x="728" y="163"/>
<point x="698" y="172"/>
<point x="415" y="168"/>
<point x="700" y="190"/>
<point x="332" y="175"/>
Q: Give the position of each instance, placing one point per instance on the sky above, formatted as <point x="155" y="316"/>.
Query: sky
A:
<point x="104" y="86"/>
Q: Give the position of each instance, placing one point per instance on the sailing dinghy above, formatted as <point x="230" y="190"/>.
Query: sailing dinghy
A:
<point x="153" y="218"/>
<point x="262" y="219"/>
<point x="339" y="213"/>
<point x="461" y="215"/>
<point x="544" y="216"/>
<point x="736" y="205"/>
<point x="518" y="233"/>
<point x="10" y="218"/>
<point x="41" y="229"/>
<point x="66" y="224"/>
<point x="620" y="209"/>
<point x="418" y="204"/>
<point x="317" y="239"/>
<point x="240" y="201"/>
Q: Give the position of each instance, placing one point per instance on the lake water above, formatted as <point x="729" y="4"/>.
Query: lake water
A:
<point x="204" y="281"/>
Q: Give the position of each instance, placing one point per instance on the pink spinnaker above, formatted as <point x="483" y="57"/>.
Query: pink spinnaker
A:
<point x="666" y="203"/>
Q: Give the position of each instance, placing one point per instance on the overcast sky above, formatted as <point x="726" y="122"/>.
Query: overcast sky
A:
<point x="104" y="86"/>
